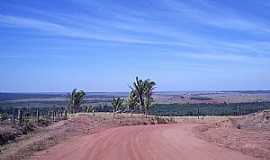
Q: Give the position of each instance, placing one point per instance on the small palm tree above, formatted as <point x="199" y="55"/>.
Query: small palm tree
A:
<point x="132" y="101"/>
<point x="75" y="100"/>
<point x="117" y="104"/>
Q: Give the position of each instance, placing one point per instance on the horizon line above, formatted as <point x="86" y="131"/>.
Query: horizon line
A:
<point x="55" y="92"/>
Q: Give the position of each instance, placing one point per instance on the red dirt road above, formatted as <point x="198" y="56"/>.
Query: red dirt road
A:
<point x="157" y="142"/>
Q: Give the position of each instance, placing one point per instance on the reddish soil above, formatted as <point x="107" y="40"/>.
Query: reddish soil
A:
<point x="103" y="136"/>
<point x="84" y="124"/>
<point x="158" y="142"/>
<point x="248" y="134"/>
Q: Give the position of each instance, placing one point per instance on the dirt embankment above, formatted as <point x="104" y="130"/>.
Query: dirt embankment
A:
<point x="78" y="125"/>
<point x="248" y="134"/>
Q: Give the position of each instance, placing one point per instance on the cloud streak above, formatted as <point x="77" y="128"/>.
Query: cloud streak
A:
<point x="207" y="13"/>
<point x="59" y="29"/>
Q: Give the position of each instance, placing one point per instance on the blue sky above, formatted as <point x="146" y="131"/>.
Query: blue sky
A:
<point x="102" y="45"/>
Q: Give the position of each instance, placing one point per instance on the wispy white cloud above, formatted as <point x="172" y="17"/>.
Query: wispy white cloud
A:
<point x="205" y="12"/>
<point x="188" y="40"/>
<point x="30" y="23"/>
<point x="75" y="33"/>
<point x="5" y="56"/>
<point x="229" y="58"/>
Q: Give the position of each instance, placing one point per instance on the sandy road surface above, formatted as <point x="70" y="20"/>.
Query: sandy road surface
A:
<point x="159" y="142"/>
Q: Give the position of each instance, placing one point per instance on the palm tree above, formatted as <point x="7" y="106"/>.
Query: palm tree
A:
<point x="144" y="91"/>
<point x="148" y="92"/>
<point x="138" y="87"/>
<point x="132" y="100"/>
<point x="75" y="100"/>
<point x="117" y="104"/>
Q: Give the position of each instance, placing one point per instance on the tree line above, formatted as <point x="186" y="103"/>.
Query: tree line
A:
<point x="140" y="98"/>
<point x="223" y="109"/>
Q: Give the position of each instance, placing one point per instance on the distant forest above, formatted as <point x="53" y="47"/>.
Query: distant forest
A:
<point x="225" y="109"/>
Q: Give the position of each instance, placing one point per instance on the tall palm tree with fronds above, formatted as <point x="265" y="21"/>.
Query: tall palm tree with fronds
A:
<point x="144" y="91"/>
<point x="75" y="100"/>
<point x="138" y="87"/>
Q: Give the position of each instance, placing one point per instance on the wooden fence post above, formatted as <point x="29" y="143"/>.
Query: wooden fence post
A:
<point x="37" y="114"/>
<point x="53" y="113"/>
<point x="61" y="112"/>
<point x="198" y="112"/>
<point x="13" y="116"/>
<point x="20" y="116"/>
<point x="65" y="114"/>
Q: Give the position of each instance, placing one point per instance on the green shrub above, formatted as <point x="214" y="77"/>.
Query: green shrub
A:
<point x="3" y="116"/>
<point x="160" y="120"/>
<point x="7" y="133"/>
<point x="27" y="126"/>
<point x="44" y="122"/>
